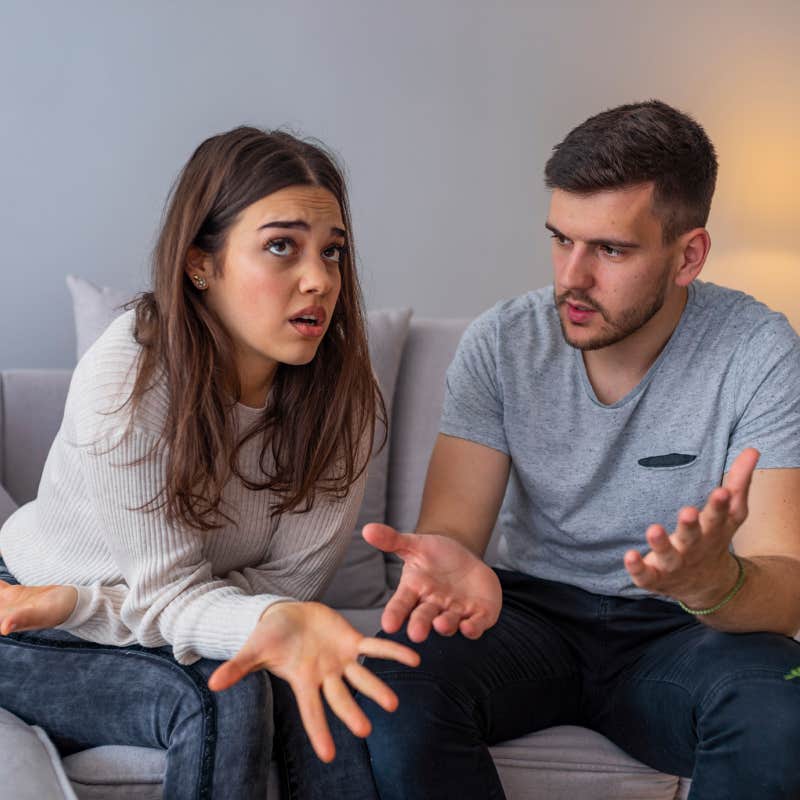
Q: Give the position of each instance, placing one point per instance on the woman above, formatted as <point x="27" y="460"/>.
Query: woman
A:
<point x="204" y="485"/>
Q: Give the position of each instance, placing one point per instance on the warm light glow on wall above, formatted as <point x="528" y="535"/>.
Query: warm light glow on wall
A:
<point x="773" y="277"/>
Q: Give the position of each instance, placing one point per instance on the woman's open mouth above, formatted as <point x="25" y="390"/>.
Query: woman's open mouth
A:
<point x="309" y="322"/>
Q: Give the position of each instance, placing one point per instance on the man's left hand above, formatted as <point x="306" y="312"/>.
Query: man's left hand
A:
<point x="693" y="564"/>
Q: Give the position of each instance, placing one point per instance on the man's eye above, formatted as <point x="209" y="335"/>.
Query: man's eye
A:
<point x="334" y="253"/>
<point x="281" y="247"/>
<point x="612" y="251"/>
<point x="562" y="240"/>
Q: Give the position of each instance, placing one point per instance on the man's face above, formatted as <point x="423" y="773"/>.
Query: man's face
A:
<point x="612" y="272"/>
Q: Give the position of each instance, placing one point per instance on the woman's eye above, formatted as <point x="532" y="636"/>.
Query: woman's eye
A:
<point x="281" y="247"/>
<point x="333" y="253"/>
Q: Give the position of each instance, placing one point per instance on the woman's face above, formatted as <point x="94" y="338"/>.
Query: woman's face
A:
<point x="279" y="282"/>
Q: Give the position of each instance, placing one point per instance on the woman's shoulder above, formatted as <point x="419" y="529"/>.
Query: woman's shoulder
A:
<point x="103" y="381"/>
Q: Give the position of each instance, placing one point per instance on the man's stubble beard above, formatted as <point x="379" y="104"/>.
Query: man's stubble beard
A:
<point x="628" y="322"/>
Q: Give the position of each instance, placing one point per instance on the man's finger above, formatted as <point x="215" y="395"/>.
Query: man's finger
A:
<point x="740" y="474"/>
<point x="400" y="605"/>
<point x="667" y="558"/>
<point x="370" y="685"/>
<point x="738" y="481"/>
<point x="419" y="623"/>
<point x="715" y="513"/>
<point x="446" y="624"/>
<point x="388" y="650"/>
<point x="474" y="626"/>
<point x="387" y="539"/>
<point x="344" y="706"/>
<point x="309" y="703"/>
<point x="688" y="531"/>
<point x="642" y="574"/>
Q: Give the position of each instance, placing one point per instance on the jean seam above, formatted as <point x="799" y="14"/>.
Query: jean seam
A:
<point x="195" y="678"/>
<point x="723" y="682"/>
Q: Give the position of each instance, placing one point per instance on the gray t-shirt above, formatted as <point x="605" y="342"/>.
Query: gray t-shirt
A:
<point x="587" y="478"/>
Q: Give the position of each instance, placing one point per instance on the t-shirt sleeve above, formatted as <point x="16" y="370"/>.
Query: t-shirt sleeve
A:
<point x="768" y="396"/>
<point x="473" y="402"/>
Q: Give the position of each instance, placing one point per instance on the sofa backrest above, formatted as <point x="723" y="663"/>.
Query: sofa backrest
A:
<point x="32" y="405"/>
<point x="31" y="409"/>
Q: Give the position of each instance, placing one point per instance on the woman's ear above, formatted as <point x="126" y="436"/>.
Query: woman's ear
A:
<point x="197" y="268"/>
<point x="693" y="248"/>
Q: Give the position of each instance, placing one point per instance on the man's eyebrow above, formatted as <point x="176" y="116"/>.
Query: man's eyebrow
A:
<point x="617" y="243"/>
<point x="299" y="224"/>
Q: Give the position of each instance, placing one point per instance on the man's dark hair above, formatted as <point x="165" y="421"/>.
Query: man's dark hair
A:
<point x="639" y="143"/>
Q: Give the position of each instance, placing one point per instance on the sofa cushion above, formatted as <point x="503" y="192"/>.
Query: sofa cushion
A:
<point x="360" y="581"/>
<point x="7" y="505"/>
<point x="32" y="769"/>
<point x="568" y="762"/>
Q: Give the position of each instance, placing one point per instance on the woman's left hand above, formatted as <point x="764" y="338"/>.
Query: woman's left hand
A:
<point x="315" y="650"/>
<point x="26" y="608"/>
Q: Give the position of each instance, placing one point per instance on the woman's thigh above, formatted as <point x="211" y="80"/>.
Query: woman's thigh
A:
<point x="84" y="694"/>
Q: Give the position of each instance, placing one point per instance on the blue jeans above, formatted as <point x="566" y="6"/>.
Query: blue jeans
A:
<point x="670" y="691"/>
<point x="218" y="744"/>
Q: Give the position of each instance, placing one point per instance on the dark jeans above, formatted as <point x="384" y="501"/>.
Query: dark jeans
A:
<point x="670" y="691"/>
<point x="218" y="744"/>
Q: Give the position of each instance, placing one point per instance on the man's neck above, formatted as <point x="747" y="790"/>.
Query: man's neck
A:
<point x="616" y="370"/>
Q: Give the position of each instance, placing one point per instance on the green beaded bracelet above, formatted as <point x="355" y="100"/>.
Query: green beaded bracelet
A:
<point x="728" y="597"/>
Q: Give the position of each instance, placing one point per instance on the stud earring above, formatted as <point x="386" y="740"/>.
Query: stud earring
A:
<point x="200" y="282"/>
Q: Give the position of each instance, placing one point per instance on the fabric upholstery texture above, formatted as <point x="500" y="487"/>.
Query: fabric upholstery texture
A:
<point x="7" y="505"/>
<point x="32" y="769"/>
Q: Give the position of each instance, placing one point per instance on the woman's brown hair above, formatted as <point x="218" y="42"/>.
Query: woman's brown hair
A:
<point x="319" y="415"/>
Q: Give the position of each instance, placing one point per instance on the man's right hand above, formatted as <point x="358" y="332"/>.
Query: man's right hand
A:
<point x="443" y="585"/>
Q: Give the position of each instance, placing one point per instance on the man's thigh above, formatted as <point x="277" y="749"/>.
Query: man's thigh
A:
<point x="696" y="688"/>
<point x="522" y="675"/>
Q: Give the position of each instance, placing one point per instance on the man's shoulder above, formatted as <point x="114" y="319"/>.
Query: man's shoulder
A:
<point x="744" y="320"/>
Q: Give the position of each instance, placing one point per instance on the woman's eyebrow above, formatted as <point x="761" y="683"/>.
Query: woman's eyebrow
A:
<point x="298" y="223"/>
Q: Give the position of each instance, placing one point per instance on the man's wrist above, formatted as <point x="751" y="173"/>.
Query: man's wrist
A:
<point x="718" y="589"/>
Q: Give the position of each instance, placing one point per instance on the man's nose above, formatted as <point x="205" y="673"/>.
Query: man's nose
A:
<point x="577" y="270"/>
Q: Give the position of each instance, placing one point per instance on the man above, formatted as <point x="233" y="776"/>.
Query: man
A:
<point x="606" y="409"/>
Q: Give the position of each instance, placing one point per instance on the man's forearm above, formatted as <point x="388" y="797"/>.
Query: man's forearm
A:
<point x="769" y="600"/>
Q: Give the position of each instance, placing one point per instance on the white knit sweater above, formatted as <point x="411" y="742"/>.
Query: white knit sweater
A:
<point x="139" y="578"/>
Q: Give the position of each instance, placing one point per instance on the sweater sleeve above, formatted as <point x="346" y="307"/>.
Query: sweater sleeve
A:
<point x="306" y="548"/>
<point x="172" y="596"/>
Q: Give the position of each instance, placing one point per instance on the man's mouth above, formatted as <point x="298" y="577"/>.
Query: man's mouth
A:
<point x="579" y="313"/>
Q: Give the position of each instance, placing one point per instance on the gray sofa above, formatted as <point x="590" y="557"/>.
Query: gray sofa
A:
<point x="565" y="763"/>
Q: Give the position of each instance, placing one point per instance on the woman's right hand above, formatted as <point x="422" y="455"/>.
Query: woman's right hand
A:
<point x="314" y="648"/>
<point x="26" y="608"/>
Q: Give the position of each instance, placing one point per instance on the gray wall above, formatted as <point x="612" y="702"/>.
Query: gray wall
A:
<point x="444" y="112"/>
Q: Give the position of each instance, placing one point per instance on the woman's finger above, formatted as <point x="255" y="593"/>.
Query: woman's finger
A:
<point x="312" y="714"/>
<point x="386" y="649"/>
<point x="231" y="672"/>
<point x="344" y="706"/>
<point x="370" y="685"/>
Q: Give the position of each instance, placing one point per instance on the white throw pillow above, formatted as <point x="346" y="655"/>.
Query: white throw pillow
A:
<point x="32" y="769"/>
<point x="360" y="581"/>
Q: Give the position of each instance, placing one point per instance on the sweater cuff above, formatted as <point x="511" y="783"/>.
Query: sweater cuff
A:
<point x="226" y="626"/>
<point x="83" y="611"/>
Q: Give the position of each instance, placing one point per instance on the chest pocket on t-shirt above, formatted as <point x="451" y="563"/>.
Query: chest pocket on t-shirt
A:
<point x="668" y="461"/>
